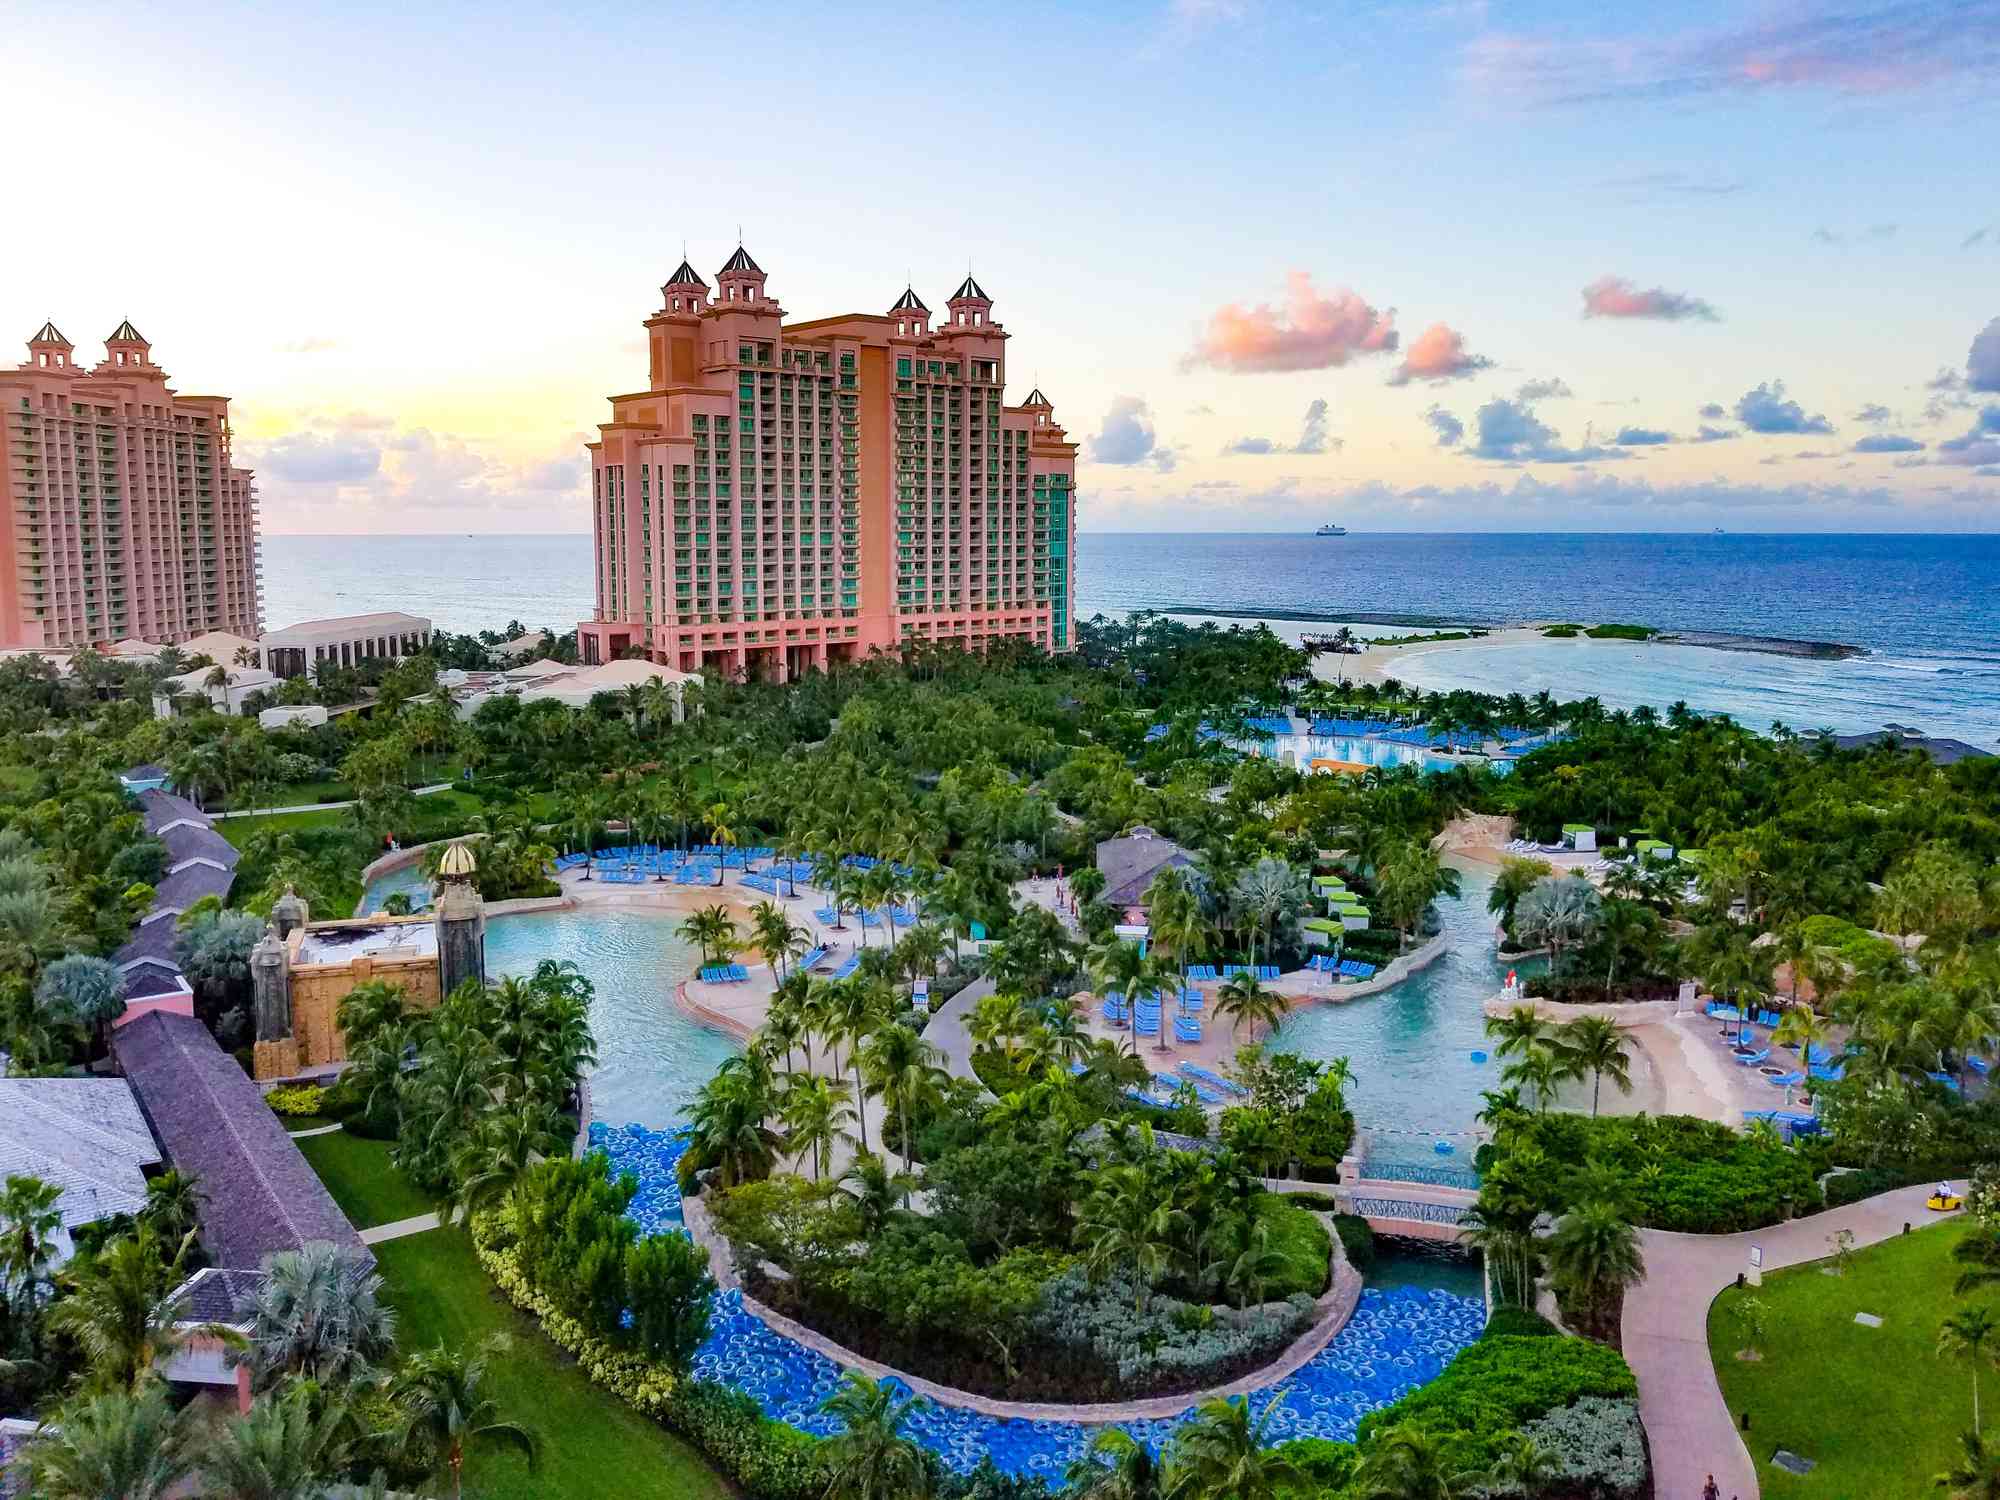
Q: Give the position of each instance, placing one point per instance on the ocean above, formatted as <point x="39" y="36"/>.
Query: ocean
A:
<point x="1926" y="609"/>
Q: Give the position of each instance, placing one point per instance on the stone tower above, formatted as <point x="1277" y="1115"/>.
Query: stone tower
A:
<point x="289" y="913"/>
<point x="461" y="921"/>
<point x="277" y="1050"/>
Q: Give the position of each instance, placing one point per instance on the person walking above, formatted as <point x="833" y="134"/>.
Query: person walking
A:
<point x="1709" y="1491"/>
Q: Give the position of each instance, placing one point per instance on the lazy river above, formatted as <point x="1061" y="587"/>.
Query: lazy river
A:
<point x="1410" y="1048"/>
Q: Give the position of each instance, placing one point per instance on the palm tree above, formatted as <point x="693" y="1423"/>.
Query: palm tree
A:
<point x="30" y="1217"/>
<point x="1244" y="998"/>
<point x="1127" y="1222"/>
<point x="121" y="1312"/>
<point x="878" y="1193"/>
<point x="1595" y="1045"/>
<point x="1964" y="1336"/>
<point x="442" y="1416"/>
<point x="1226" y="1453"/>
<point x="318" y="1313"/>
<point x="1976" y="1475"/>
<point x="712" y="929"/>
<point x="1594" y="1258"/>
<point x="1264" y="892"/>
<point x="282" y="1449"/>
<point x="1516" y="878"/>
<point x="722" y="830"/>
<point x="1541" y="1069"/>
<point x="1116" y="1466"/>
<point x="904" y="1069"/>
<point x="1407" y="1462"/>
<point x="132" y="1447"/>
<point x="869" y="1457"/>
<point x="726" y="1128"/>
<point x="1520" y="1031"/>
<point x="1802" y="1027"/>
<point x="816" y="1114"/>
<point x="775" y="934"/>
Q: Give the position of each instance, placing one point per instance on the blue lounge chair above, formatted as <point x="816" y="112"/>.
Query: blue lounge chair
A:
<point x="1267" y="973"/>
<point x="1978" y="1065"/>
<point x="1213" y="1080"/>
<point x="847" y="966"/>
<point x="1187" y="1029"/>
<point x="1146" y="1025"/>
<point x="1750" y="1058"/>
<point x="1191" y="1001"/>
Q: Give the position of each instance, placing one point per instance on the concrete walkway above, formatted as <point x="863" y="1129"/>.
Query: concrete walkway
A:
<point x="396" y="1230"/>
<point x="304" y="807"/>
<point x="1693" y="1434"/>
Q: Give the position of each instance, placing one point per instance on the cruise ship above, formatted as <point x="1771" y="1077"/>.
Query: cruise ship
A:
<point x="1329" y="529"/>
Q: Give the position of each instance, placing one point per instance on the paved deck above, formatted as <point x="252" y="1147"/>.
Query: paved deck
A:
<point x="1693" y="1434"/>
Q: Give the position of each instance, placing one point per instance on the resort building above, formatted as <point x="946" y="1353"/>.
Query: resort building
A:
<point x="346" y="641"/>
<point x="83" y="1135"/>
<point x="781" y="496"/>
<point x="122" y="517"/>
<point x="203" y="688"/>
<point x="1129" y="865"/>
<point x="200" y="862"/>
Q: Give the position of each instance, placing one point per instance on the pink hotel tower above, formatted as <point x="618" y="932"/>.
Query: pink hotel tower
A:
<point x="783" y="496"/>
<point x="121" y="516"/>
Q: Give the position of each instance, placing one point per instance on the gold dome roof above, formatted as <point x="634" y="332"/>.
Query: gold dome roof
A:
<point x="458" y="863"/>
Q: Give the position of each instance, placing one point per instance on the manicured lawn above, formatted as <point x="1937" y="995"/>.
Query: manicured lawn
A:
<point x="593" y="1445"/>
<point x="357" y="1172"/>
<point x="1876" y="1408"/>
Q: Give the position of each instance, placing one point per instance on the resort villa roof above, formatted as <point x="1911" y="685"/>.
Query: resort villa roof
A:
<point x="1130" y="863"/>
<point x="200" y="862"/>
<point x="84" y="1135"/>
<point x="212" y="1122"/>
<point x="1942" y="750"/>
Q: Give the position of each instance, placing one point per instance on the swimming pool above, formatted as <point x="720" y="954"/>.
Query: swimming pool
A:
<point x="1411" y="1046"/>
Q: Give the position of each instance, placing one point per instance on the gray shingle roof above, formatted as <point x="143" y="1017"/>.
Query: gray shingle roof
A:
<point x="212" y="1122"/>
<point x="163" y="808"/>
<point x="190" y="841"/>
<point x="188" y="884"/>
<point x="1129" y="865"/>
<point x="218" y="1295"/>
<point x="147" y="772"/>
<point x="85" y="1135"/>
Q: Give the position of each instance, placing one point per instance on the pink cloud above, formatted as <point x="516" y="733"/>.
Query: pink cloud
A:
<point x="1616" y="297"/>
<point x="1310" y="332"/>
<point x="1439" y="353"/>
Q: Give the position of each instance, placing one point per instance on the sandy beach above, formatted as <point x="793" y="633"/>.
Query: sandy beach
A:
<point x="1379" y="663"/>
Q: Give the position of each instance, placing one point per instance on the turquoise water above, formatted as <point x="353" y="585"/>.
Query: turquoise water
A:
<point x="1425" y="1266"/>
<point x="408" y="881"/>
<point x="1411" y="1046"/>
<point x="651" y="1059"/>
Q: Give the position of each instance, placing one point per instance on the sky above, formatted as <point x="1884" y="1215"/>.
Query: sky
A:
<point x="1422" y="265"/>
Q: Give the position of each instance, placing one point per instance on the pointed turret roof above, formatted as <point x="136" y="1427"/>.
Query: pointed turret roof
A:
<point x="970" y="288"/>
<point x="909" y="302"/>
<point x="126" y="334"/>
<point x="741" y="261"/>
<point x="686" y="275"/>
<point x="1036" y="398"/>
<point x="50" y="334"/>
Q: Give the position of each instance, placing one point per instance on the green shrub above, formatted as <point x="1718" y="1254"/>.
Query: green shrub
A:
<point x="1325" y="1466"/>
<point x="1500" y="1383"/>
<point x="1297" y="1235"/>
<point x="1615" y="632"/>
<point x="1358" y="1240"/>
<point x="1690" y="1175"/>
<point x="1855" y="945"/>
<point x="1519" y="1322"/>
<point x="1600" y="1446"/>
<point x="1323" y="1203"/>
<point x="296" y="1099"/>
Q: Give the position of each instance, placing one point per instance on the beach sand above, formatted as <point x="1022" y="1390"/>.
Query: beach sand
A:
<point x="1379" y="663"/>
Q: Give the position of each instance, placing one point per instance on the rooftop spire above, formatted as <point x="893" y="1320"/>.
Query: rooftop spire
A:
<point x="50" y="334"/>
<point x="685" y="275"/>
<point x="970" y="288"/>
<point x="126" y="334"/>
<point x="741" y="261"/>
<point x="909" y="302"/>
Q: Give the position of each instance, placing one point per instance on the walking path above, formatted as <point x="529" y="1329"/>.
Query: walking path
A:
<point x="1691" y="1430"/>
<point x="399" y="1228"/>
<point x="305" y="807"/>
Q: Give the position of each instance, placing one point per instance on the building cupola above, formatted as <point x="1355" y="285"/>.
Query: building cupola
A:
<point x="685" y="291"/>
<point x="49" y="350"/>
<point x="127" y="348"/>
<point x="741" y="279"/>
<point x="969" y="306"/>
<point x="913" y="319"/>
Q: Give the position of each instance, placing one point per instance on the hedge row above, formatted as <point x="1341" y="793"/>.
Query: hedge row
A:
<point x="768" y="1459"/>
